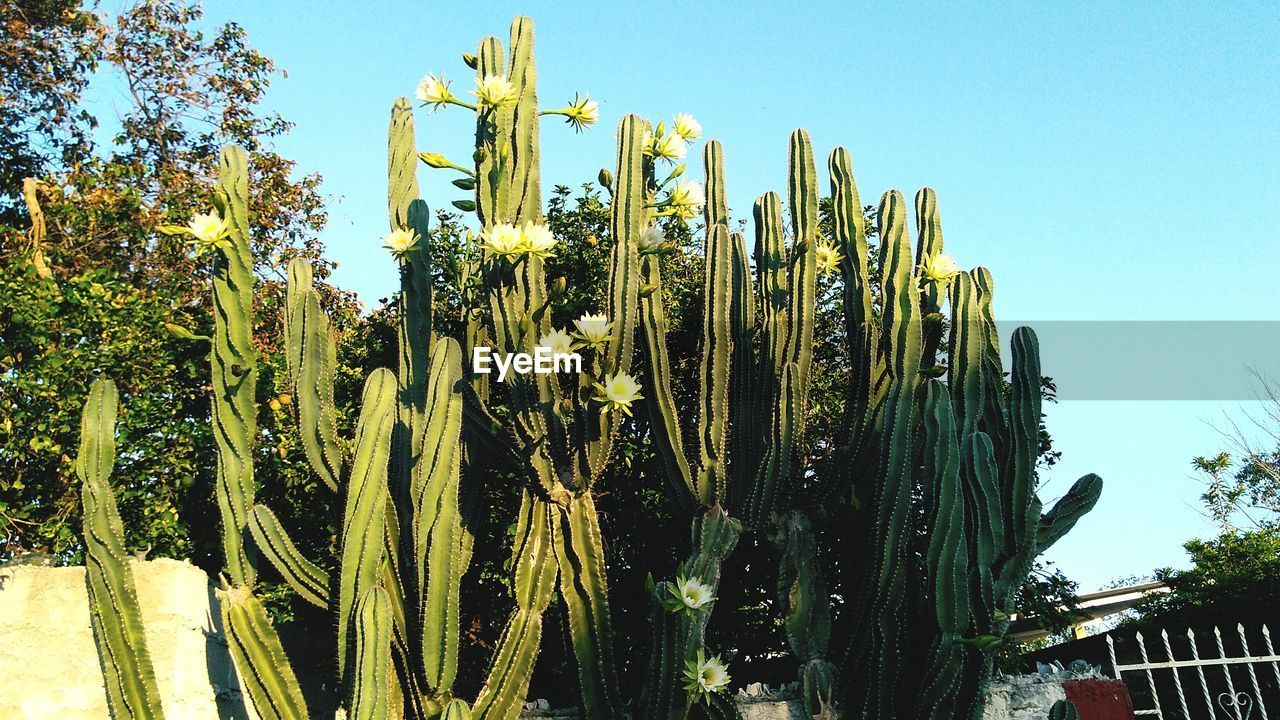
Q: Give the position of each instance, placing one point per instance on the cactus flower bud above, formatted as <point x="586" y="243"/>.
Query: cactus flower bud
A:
<point x="605" y="178"/>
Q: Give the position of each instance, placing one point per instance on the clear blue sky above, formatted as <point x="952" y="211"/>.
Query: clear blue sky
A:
<point x="1109" y="161"/>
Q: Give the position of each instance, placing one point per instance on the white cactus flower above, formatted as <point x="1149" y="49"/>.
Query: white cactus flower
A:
<point x="593" y="330"/>
<point x="706" y="675"/>
<point x="687" y="128"/>
<point x="667" y="146"/>
<point x="495" y="91"/>
<point x="652" y="239"/>
<point x="504" y="240"/>
<point x="557" y="341"/>
<point x="537" y="240"/>
<point x="692" y="593"/>
<point x="209" y="229"/>
<point x="434" y="91"/>
<point x="686" y="198"/>
<point x="938" y="269"/>
<point x="400" y="242"/>
<point x="617" y="392"/>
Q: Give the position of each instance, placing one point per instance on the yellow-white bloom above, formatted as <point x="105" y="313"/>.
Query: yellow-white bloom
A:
<point x="582" y="113"/>
<point x="667" y="146"/>
<point x="617" y="392"/>
<point x="504" y="239"/>
<point x="557" y="341"/>
<point x="209" y="229"/>
<point x="206" y="230"/>
<point x="495" y="91"/>
<point x="537" y="240"/>
<point x="939" y="268"/>
<point x="433" y="91"/>
<point x="692" y="593"/>
<point x="829" y="257"/>
<point x="593" y="330"/>
<point x="652" y="238"/>
<point x="706" y="675"/>
<point x="686" y="198"/>
<point x="687" y="128"/>
<point x="400" y="242"/>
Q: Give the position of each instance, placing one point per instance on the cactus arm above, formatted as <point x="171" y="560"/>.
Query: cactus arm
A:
<point x="235" y="366"/>
<point x="929" y="245"/>
<point x="1024" y="424"/>
<point x="1079" y="500"/>
<point x="438" y="524"/>
<point x="492" y="133"/>
<point x="371" y="683"/>
<point x="966" y="350"/>
<point x="946" y="560"/>
<point x="848" y="229"/>
<point x="113" y="598"/>
<point x="901" y="316"/>
<point x="299" y="281"/>
<point x="502" y="695"/>
<point x="776" y="462"/>
<point x="679" y="636"/>
<point x="408" y="213"/>
<point x="311" y="349"/>
<point x="628" y="218"/>
<point x="659" y="396"/>
<point x="579" y="550"/>
<point x="310" y="581"/>
<point x="364" y="517"/>
<point x="456" y="710"/>
<point x="806" y="608"/>
<point x="802" y="196"/>
<point x="259" y="658"/>
<point x="524" y="194"/>
<point x="717" y="342"/>
<point x="744" y="428"/>
<point x="771" y="264"/>
<point x="983" y="503"/>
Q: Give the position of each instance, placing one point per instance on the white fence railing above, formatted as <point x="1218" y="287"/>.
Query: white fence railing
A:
<point x="1219" y="695"/>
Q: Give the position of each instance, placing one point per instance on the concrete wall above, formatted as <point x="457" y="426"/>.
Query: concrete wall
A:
<point x="49" y="665"/>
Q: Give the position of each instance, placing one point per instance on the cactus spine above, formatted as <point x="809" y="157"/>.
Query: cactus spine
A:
<point x="113" y="598"/>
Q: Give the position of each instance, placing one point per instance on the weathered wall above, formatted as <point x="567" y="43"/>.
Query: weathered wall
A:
<point x="49" y="664"/>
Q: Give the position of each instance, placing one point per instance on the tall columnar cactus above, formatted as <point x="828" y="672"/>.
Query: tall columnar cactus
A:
<point x="113" y="598"/>
<point x="235" y="365"/>
<point x="961" y="454"/>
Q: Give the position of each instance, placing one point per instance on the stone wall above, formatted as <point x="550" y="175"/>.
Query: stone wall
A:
<point x="49" y="664"/>
<point x="1029" y="697"/>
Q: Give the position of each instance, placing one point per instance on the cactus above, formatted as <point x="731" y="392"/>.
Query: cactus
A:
<point x="113" y="598"/>
<point x="1064" y="710"/>
<point x="260" y="661"/>
<point x="235" y="366"/>
<point x="937" y="452"/>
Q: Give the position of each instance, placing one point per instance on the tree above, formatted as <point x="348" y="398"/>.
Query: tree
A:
<point x="1234" y="578"/>
<point x="92" y="288"/>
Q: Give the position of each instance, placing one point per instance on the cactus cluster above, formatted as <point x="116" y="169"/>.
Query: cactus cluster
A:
<point x="943" y="471"/>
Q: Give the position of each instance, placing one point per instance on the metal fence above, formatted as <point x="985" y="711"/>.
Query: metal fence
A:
<point x="1225" y="682"/>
